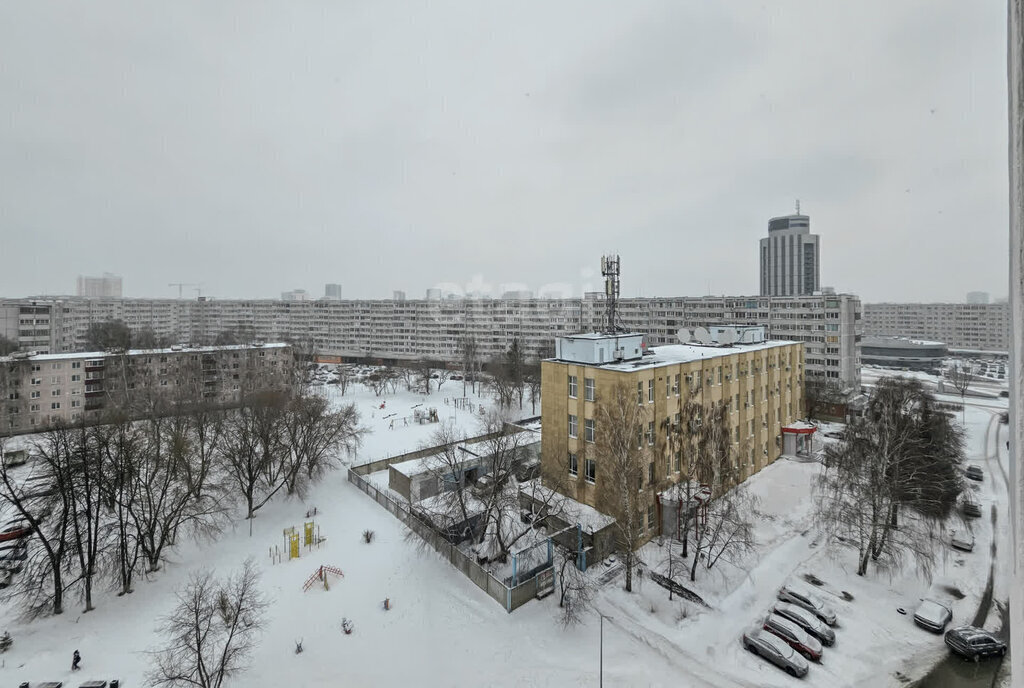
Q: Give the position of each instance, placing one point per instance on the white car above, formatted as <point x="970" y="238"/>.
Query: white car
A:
<point x="933" y="615"/>
<point x="812" y="603"/>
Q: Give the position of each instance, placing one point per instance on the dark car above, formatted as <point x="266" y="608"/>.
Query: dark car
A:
<point x="972" y="642"/>
<point x="775" y="650"/>
<point x="807" y="621"/>
<point x="970" y="506"/>
<point x="933" y="615"/>
<point x="974" y="472"/>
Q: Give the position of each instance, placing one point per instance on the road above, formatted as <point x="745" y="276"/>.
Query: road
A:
<point x="953" y="672"/>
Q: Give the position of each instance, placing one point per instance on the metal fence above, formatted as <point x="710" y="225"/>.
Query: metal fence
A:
<point x="508" y="597"/>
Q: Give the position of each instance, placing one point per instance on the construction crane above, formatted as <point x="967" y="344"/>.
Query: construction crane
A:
<point x="180" y="285"/>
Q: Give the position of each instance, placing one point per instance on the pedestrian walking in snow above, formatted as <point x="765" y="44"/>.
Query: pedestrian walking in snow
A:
<point x="75" y="659"/>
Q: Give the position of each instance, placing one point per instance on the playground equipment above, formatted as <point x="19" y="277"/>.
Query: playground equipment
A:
<point x="310" y="537"/>
<point x="321" y="575"/>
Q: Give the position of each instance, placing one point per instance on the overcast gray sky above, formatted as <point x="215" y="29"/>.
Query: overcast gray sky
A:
<point x="257" y="147"/>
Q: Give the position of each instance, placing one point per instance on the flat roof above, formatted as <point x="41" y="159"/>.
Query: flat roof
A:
<point x="140" y="352"/>
<point x="671" y="354"/>
<point x="601" y="335"/>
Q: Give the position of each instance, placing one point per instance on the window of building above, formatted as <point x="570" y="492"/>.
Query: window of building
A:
<point x="35" y="395"/>
<point x="650" y="517"/>
<point x="573" y="426"/>
<point x="589" y="470"/>
<point x="650" y="473"/>
<point x="588" y="389"/>
<point x="572" y="387"/>
<point x="574" y="466"/>
<point x="76" y="378"/>
<point x="650" y="391"/>
<point x="36" y="367"/>
<point x="33" y="407"/>
<point x="639" y="392"/>
<point x="588" y="429"/>
<point x="650" y="433"/>
<point x="55" y="405"/>
<point x="668" y="386"/>
<point x="675" y="384"/>
<point x="54" y="392"/>
<point x="679" y="460"/>
<point x="37" y="381"/>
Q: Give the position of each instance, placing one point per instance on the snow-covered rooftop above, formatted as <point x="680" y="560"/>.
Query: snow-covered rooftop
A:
<point x="141" y="352"/>
<point x="685" y="353"/>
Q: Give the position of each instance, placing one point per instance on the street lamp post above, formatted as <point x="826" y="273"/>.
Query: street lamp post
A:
<point x="601" y="645"/>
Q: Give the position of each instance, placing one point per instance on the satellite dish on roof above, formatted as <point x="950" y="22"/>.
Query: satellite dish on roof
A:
<point x="727" y="336"/>
<point x="702" y="335"/>
<point x="683" y="335"/>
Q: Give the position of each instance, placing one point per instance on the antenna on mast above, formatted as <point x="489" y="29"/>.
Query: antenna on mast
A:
<point x="610" y="272"/>
<point x="798" y="206"/>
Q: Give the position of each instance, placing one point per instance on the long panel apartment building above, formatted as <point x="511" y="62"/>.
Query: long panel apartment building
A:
<point x="970" y="326"/>
<point x="828" y="324"/>
<point x="42" y="390"/>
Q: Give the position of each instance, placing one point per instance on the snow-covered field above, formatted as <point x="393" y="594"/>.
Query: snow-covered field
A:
<point x="443" y="631"/>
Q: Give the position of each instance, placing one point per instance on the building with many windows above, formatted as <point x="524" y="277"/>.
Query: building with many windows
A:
<point x="761" y="382"/>
<point x="828" y="324"/>
<point x="106" y="287"/>
<point x="790" y="257"/>
<point x="965" y="326"/>
<point x="39" y="391"/>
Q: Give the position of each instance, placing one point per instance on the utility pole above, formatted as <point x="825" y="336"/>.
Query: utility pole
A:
<point x="601" y="665"/>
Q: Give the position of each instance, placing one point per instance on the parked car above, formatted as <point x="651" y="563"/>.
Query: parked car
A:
<point x="972" y="642"/>
<point x="795" y="636"/>
<point x="775" y="650"/>
<point x="970" y="505"/>
<point x="835" y="434"/>
<point x="963" y="540"/>
<point x="809" y="601"/>
<point x="807" y="621"/>
<point x="12" y="530"/>
<point x="933" y="615"/>
<point x="14" y="550"/>
<point x="974" y="472"/>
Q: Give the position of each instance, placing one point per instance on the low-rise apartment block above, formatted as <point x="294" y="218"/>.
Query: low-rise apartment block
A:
<point x="761" y="383"/>
<point x="39" y="391"/>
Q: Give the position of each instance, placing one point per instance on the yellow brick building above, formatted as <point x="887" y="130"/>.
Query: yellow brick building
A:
<point x="761" y="381"/>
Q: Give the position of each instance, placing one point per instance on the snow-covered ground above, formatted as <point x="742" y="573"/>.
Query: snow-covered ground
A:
<point x="443" y="631"/>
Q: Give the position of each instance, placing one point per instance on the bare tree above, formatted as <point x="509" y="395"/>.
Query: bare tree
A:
<point x="619" y="423"/>
<point x="46" y="505"/>
<point x="252" y="452"/>
<point x="532" y="380"/>
<point x="894" y="480"/>
<point x="120" y="444"/>
<point x="443" y="375"/>
<point x="469" y="352"/>
<point x="576" y="589"/>
<point x="960" y="377"/>
<point x="344" y="373"/>
<point x="212" y="630"/>
<point x="729" y="534"/>
<point x="821" y="397"/>
<point x="315" y="437"/>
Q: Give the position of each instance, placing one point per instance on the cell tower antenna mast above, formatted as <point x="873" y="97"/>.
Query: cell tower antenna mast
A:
<point x="610" y="272"/>
<point x="798" y="206"/>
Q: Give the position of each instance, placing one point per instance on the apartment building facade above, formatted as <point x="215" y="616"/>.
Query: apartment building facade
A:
<point x="828" y="324"/>
<point x="790" y="257"/>
<point x="40" y="391"/>
<point x="971" y="326"/>
<point x="762" y="384"/>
